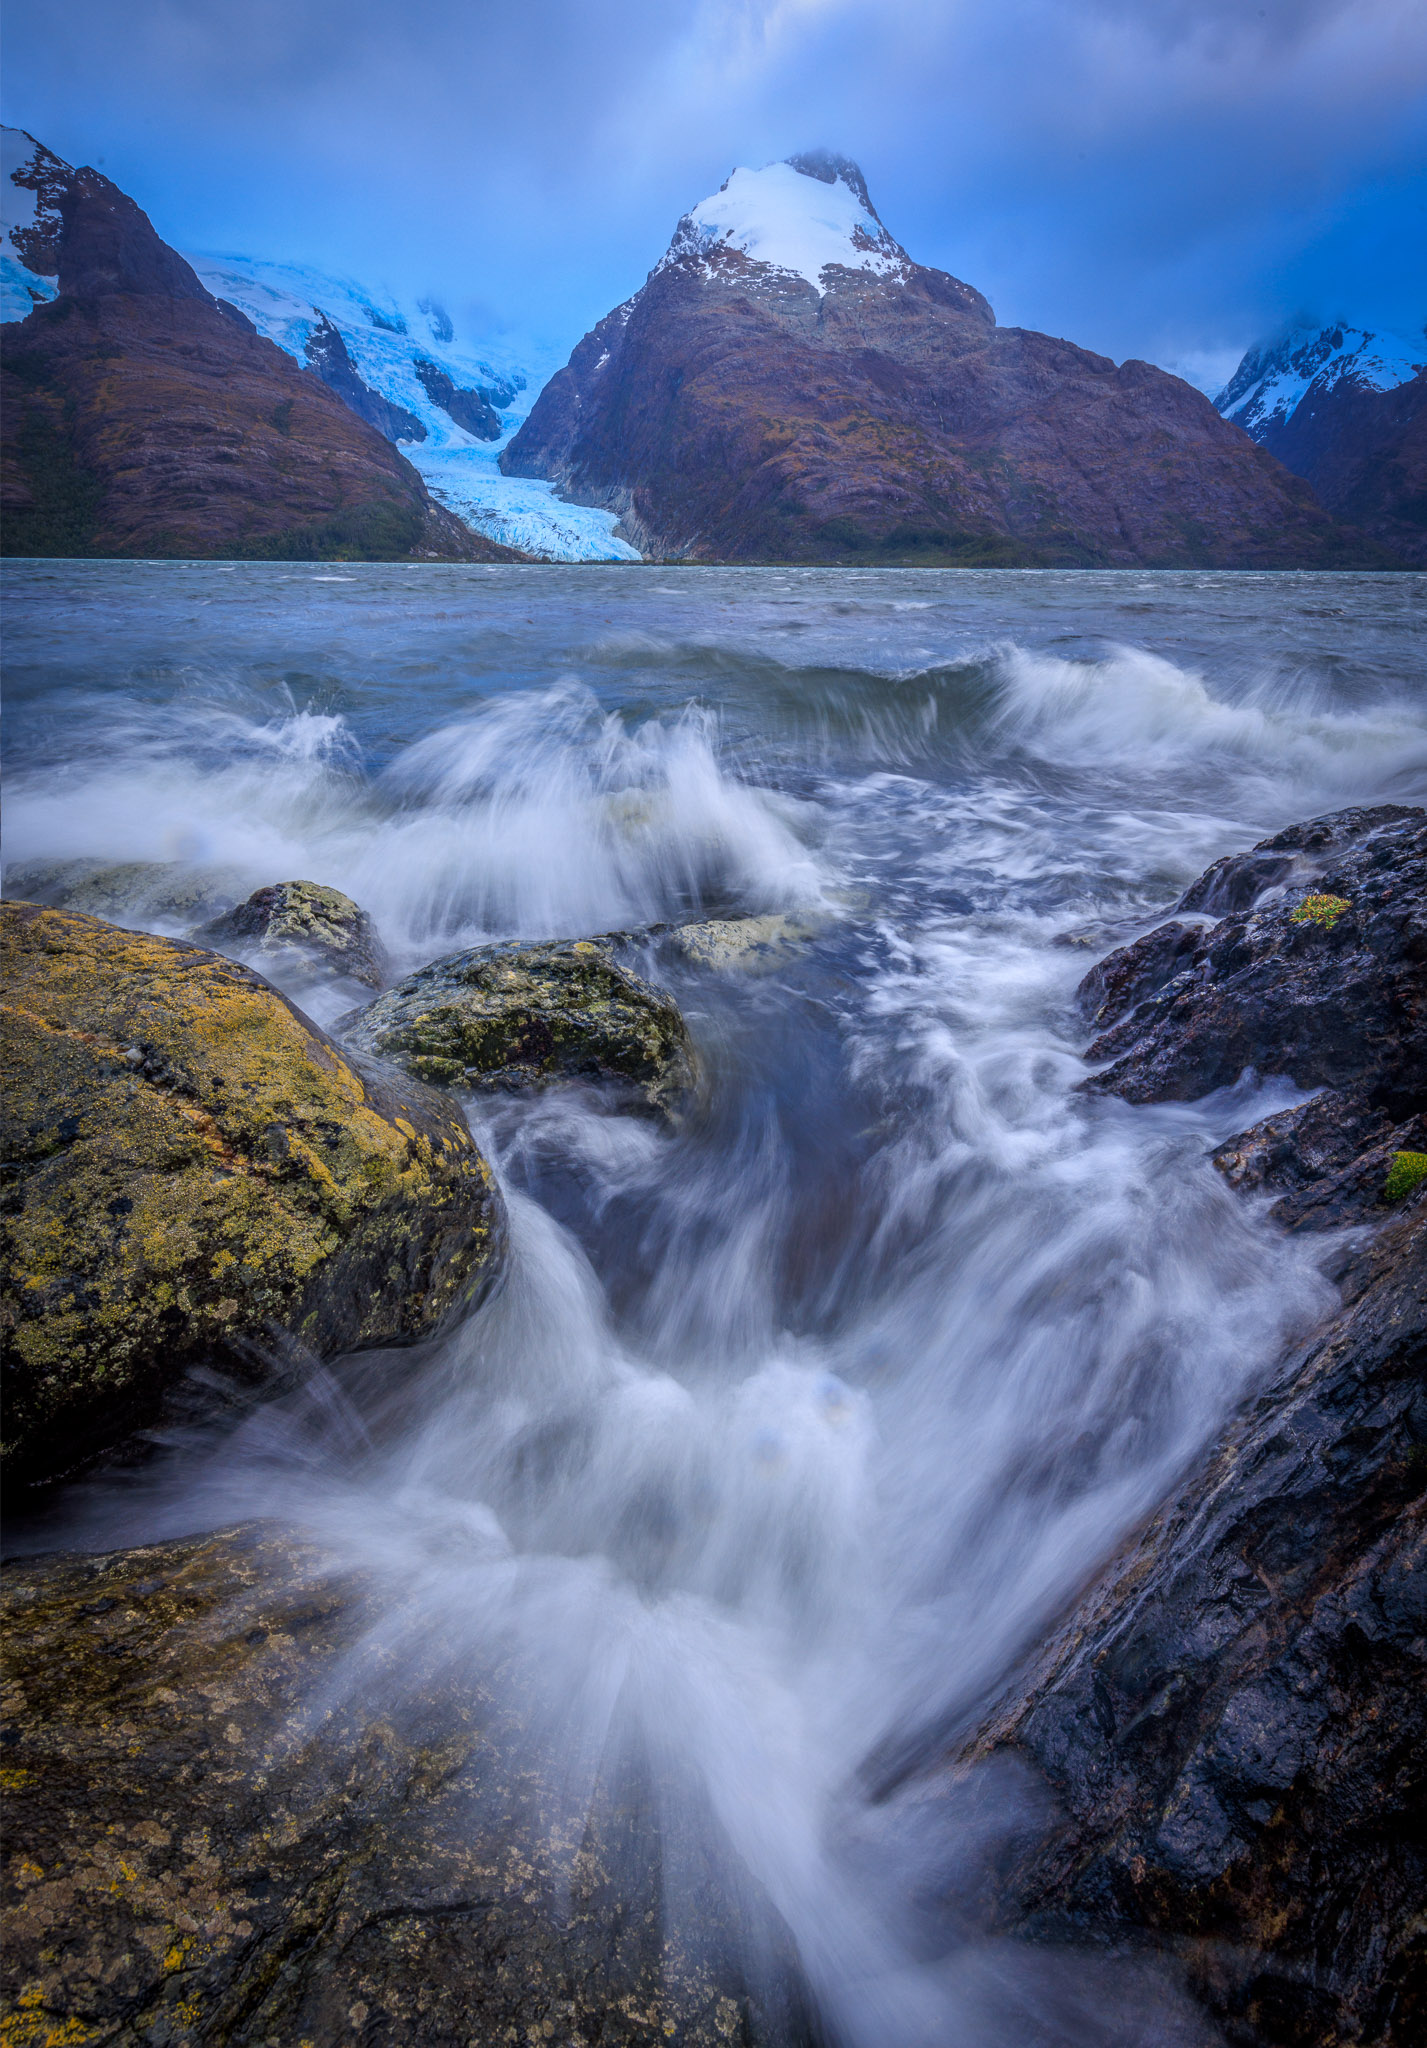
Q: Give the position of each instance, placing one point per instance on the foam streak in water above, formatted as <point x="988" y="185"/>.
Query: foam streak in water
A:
<point x="789" y="1432"/>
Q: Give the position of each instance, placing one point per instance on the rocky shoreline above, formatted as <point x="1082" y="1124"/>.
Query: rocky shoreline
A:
<point x="1227" y="1732"/>
<point x="1230" y="1729"/>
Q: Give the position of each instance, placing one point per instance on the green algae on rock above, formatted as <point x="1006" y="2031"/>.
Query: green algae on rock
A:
<point x="1408" y="1170"/>
<point x="195" y="1172"/>
<point x="196" y="1856"/>
<point x="302" y="925"/>
<point x="514" y="1016"/>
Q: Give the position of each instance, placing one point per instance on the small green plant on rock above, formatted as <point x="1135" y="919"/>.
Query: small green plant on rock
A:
<point x="1324" y="910"/>
<point x="1406" y="1171"/>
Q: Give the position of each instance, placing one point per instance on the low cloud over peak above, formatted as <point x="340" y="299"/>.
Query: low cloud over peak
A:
<point x="1155" y="178"/>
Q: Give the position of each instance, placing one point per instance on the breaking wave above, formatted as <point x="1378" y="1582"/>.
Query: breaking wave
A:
<point x="786" y="1434"/>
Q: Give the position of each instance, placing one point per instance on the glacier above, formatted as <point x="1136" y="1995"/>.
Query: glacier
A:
<point x="386" y="337"/>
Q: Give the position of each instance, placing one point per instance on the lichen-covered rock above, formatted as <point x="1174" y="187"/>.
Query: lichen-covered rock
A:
<point x="513" y="1016"/>
<point x="194" y="1171"/>
<point x="128" y="892"/>
<point x="301" y="926"/>
<point x="196" y="1856"/>
<point x="1327" y="1002"/>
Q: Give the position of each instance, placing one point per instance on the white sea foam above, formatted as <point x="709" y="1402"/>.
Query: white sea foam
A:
<point x="787" y="1432"/>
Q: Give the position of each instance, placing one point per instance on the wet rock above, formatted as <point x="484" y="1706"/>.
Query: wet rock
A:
<point x="301" y="927"/>
<point x="741" y="945"/>
<point x="194" y="1173"/>
<point x="1127" y="976"/>
<point x="1328" y="998"/>
<point x="1328" y="1160"/>
<point x="516" y="1017"/>
<point x="1233" y="1724"/>
<point x="128" y="892"/>
<point x="223" y="1831"/>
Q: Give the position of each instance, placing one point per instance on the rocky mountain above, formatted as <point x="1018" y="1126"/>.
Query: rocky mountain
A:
<point x="790" y="385"/>
<point x="1274" y="379"/>
<point x="1346" y="409"/>
<point x="144" y="416"/>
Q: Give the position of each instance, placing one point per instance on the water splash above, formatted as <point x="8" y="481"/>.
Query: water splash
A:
<point x="787" y="1434"/>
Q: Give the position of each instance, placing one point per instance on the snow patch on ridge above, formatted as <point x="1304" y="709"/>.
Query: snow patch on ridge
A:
<point x="788" y="220"/>
<point x="1272" y="382"/>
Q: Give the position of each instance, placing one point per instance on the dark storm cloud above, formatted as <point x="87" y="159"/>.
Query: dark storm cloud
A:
<point x="1150" y="176"/>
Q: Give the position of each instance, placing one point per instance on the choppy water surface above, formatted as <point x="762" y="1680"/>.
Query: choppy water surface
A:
<point x="789" y="1431"/>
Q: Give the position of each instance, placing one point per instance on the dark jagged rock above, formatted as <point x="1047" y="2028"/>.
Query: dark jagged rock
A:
<point x="515" y="1017"/>
<point x="1127" y="976"/>
<point x="214" y="1839"/>
<point x="143" y="417"/>
<point x="194" y="1174"/>
<point x="1328" y="1000"/>
<point x="1328" y="1160"/>
<point x="735" y="410"/>
<point x="327" y="353"/>
<point x="304" y="926"/>
<point x="1233" y="1726"/>
<point x="469" y="409"/>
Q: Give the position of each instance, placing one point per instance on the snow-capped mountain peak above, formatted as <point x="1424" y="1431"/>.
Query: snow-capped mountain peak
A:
<point x="1271" y="382"/>
<point x="798" y="217"/>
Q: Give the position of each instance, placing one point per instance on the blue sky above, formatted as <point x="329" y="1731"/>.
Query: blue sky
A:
<point x="1149" y="177"/>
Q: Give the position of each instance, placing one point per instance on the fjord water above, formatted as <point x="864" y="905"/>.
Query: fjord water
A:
<point x="790" y="1429"/>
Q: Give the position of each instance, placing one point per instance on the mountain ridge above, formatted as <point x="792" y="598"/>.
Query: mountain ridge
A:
<point x="144" y="416"/>
<point x="789" y="388"/>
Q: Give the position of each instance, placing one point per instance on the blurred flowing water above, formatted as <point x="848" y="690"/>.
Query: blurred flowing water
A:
<point x="788" y="1431"/>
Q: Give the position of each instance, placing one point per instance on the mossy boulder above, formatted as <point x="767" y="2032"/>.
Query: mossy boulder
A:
<point x="229" y="1825"/>
<point x="515" y="1017"/>
<point x="193" y="1171"/>
<point x="301" y="927"/>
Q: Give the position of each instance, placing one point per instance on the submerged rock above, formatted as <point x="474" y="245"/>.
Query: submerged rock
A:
<point x="741" y="945"/>
<point x="125" y="892"/>
<point x="513" y="1016"/>
<point x="230" y="1823"/>
<point x="194" y="1172"/>
<point x="302" y="926"/>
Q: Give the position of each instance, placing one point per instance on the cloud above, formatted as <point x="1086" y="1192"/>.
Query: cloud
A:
<point x="1157" y="177"/>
